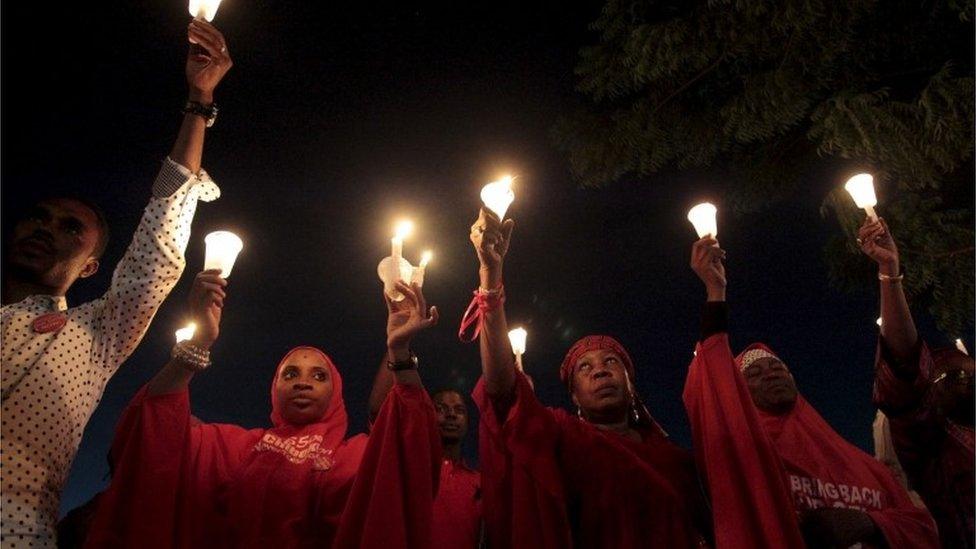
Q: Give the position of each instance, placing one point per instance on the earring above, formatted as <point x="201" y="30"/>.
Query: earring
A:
<point x="633" y="409"/>
<point x="579" y="413"/>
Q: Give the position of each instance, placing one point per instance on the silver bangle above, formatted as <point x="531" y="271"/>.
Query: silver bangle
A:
<point x="190" y="356"/>
<point x="886" y="278"/>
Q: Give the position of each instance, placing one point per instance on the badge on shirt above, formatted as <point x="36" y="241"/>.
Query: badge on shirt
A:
<point x="51" y="322"/>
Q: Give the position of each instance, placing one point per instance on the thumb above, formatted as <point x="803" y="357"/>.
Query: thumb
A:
<point x="507" y="227"/>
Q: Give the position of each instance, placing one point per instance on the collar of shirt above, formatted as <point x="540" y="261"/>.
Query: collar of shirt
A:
<point x="48" y="302"/>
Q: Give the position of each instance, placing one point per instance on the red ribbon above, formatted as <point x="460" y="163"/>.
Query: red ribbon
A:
<point x="482" y="303"/>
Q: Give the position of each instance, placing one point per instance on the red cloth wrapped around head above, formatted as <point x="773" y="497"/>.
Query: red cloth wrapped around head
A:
<point x="592" y="343"/>
<point x="334" y="422"/>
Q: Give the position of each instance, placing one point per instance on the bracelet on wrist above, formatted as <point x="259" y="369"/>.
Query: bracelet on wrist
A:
<point x="889" y="278"/>
<point x="189" y="356"/>
<point x="410" y="363"/>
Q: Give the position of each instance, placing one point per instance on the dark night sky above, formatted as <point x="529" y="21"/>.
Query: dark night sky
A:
<point x="335" y="122"/>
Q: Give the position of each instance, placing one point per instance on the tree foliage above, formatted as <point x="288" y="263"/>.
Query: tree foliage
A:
<point x="779" y="96"/>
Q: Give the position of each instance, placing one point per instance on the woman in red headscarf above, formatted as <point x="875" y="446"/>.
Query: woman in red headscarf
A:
<point x="300" y="483"/>
<point x="605" y="476"/>
<point x="778" y="475"/>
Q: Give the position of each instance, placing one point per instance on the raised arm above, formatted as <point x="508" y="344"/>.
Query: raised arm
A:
<point x="405" y="319"/>
<point x="154" y="260"/>
<point x="203" y="72"/>
<point x="206" y="305"/>
<point x="491" y="238"/>
<point x="897" y="326"/>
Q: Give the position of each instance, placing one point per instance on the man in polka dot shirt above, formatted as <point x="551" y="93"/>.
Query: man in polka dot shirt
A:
<point x="56" y="359"/>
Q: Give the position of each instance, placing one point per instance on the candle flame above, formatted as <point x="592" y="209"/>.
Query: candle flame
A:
<point x="404" y="228"/>
<point x="425" y="258"/>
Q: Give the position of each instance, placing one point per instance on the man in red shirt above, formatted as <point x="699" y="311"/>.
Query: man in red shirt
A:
<point x="457" y="507"/>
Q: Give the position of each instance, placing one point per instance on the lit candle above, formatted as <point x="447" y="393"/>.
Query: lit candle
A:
<point x="498" y="195"/>
<point x="702" y="217"/>
<point x="186" y="332"/>
<point x="961" y="346"/>
<point x="222" y="250"/>
<point x="403" y="229"/>
<point x="204" y="9"/>
<point x="421" y="270"/>
<point x="861" y="189"/>
<point x="518" y="337"/>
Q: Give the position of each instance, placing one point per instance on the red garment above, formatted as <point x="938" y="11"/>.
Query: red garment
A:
<point x="457" y="507"/>
<point x="552" y="480"/>
<point x="936" y="453"/>
<point x="763" y="469"/>
<point x="182" y="484"/>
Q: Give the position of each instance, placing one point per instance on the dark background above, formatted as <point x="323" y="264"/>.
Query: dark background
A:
<point x="337" y="120"/>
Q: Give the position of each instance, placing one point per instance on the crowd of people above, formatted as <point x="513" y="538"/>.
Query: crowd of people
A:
<point x="765" y="469"/>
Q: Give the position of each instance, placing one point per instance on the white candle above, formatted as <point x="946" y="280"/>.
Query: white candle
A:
<point x="498" y="195"/>
<point x="961" y="346"/>
<point x="702" y="217"/>
<point x="421" y="270"/>
<point x="222" y="250"/>
<point x="403" y="229"/>
<point x="518" y="337"/>
<point x="204" y="9"/>
<point x="861" y="189"/>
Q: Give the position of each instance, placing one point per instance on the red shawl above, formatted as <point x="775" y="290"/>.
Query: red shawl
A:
<point x="551" y="480"/>
<point x="182" y="484"/>
<point x="764" y="469"/>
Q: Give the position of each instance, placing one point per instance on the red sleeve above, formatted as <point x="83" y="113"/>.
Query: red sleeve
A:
<point x="165" y="477"/>
<point x="902" y="393"/>
<point x="391" y="502"/>
<point x="745" y="476"/>
<point x="524" y="500"/>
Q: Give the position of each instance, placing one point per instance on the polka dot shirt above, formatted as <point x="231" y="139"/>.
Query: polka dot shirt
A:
<point x="53" y="380"/>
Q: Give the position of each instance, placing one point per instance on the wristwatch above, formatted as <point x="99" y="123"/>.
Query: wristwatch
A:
<point x="408" y="364"/>
<point x="208" y="112"/>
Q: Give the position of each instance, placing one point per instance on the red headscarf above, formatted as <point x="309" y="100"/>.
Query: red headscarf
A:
<point x="592" y="343"/>
<point x="334" y="422"/>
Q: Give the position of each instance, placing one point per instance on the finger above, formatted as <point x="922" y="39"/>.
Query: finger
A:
<point x="213" y="288"/>
<point x="435" y="315"/>
<point x="208" y="43"/>
<point x="208" y="30"/>
<point x="507" y="228"/>
<point x="389" y="303"/>
<point x="212" y="278"/>
<point x="419" y="292"/>
<point x="404" y="289"/>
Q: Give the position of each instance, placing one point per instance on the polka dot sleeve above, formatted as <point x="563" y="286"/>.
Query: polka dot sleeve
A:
<point x="150" y="269"/>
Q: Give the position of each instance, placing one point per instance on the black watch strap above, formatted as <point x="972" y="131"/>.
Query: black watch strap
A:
<point x="408" y="364"/>
<point x="208" y="112"/>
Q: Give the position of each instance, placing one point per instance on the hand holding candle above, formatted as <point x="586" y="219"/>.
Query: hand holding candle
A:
<point x="861" y="189"/>
<point x="222" y="250"/>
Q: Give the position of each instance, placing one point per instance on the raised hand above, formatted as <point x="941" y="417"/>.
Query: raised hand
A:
<point x="706" y="261"/>
<point x="491" y="237"/>
<point x="876" y="242"/>
<point x="408" y="317"/>
<point x="206" y="305"/>
<point x="207" y="64"/>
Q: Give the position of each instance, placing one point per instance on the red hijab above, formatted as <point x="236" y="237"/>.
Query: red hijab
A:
<point x="334" y="422"/>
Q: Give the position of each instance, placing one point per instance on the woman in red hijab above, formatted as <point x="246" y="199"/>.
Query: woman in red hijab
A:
<point x="300" y="483"/>
<point x="778" y="475"/>
<point x="605" y="476"/>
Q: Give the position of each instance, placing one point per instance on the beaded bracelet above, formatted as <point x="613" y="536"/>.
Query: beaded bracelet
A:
<point x="190" y="356"/>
